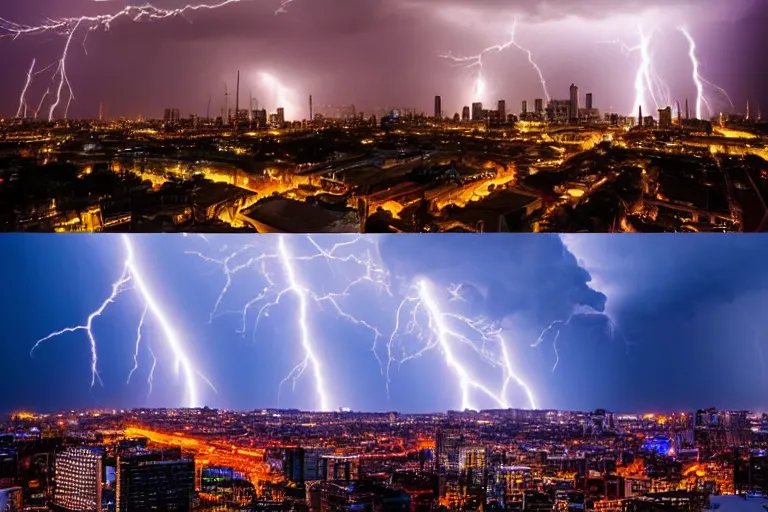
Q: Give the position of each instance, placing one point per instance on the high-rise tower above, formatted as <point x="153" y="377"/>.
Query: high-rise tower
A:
<point x="574" y="103"/>
<point x="438" y="107"/>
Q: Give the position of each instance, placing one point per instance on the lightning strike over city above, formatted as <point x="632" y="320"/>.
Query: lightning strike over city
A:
<point x="452" y="386"/>
<point x="475" y="63"/>
<point x="68" y="27"/>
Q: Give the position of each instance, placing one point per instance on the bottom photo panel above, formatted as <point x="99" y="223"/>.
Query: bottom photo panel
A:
<point x="392" y="373"/>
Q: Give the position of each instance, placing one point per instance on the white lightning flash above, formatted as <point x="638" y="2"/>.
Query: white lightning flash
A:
<point x="279" y="271"/>
<point x="701" y="99"/>
<point x="648" y="83"/>
<point x="68" y="27"/>
<point x="475" y="64"/>
<point x="360" y="278"/>
<point x="444" y="331"/>
<point x="133" y="275"/>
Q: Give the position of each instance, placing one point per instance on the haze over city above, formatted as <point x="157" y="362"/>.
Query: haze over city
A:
<point x="631" y="323"/>
<point x="376" y="54"/>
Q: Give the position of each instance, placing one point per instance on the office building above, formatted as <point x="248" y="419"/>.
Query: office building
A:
<point x="502" y="110"/>
<point x="477" y="111"/>
<point x="78" y="479"/>
<point x="465" y="114"/>
<point x="524" y="108"/>
<point x="538" y="105"/>
<point x="589" y="101"/>
<point x="573" y="112"/>
<point x="447" y="445"/>
<point x="280" y="118"/>
<point x="171" y="116"/>
<point x="154" y="480"/>
<point x="665" y="118"/>
<point x="438" y="107"/>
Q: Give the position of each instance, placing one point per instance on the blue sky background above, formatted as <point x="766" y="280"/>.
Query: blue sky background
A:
<point x="689" y="311"/>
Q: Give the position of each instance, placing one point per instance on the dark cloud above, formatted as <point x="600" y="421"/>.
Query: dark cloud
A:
<point x="529" y="276"/>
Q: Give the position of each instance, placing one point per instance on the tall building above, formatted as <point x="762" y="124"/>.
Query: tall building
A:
<point x="280" y="116"/>
<point x="502" y="110"/>
<point x="524" y="108"/>
<point x="78" y="479"/>
<point x="477" y="111"/>
<point x="538" y="105"/>
<point x="465" y="114"/>
<point x="154" y="480"/>
<point x="171" y="116"/>
<point x="573" y="114"/>
<point x="665" y="117"/>
<point x="293" y="460"/>
<point x="447" y="445"/>
<point x="438" y="107"/>
<point x="260" y="118"/>
<point x="589" y="101"/>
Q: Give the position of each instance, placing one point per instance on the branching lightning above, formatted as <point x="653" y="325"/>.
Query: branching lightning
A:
<point x="419" y="316"/>
<point x="648" y="83"/>
<point x="358" y="274"/>
<point x="444" y="331"/>
<point x="68" y="27"/>
<point x="701" y="100"/>
<point x="280" y="277"/>
<point x="132" y="278"/>
<point x="475" y="63"/>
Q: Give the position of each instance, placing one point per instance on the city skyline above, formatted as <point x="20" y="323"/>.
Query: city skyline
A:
<point x="542" y="322"/>
<point x="327" y="50"/>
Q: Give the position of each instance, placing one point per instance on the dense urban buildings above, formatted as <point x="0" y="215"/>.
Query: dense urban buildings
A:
<point x="502" y="460"/>
<point x="559" y="167"/>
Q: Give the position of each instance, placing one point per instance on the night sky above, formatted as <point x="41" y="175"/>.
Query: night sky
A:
<point x="382" y="53"/>
<point x="657" y="323"/>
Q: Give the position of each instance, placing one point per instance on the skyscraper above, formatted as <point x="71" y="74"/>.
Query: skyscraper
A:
<point x="447" y="445"/>
<point x="465" y="114"/>
<point x="78" y="479"/>
<point x="438" y="107"/>
<point x="524" y="107"/>
<point x="665" y="117"/>
<point x="281" y="116"/>
<point x="502" y="110"/>
<point x="477" y="111"/>
<point x="589" y="101"/>
<point x="154" y="480"/>
<point x="574" y="99"/>
<point x="538" y="105"/>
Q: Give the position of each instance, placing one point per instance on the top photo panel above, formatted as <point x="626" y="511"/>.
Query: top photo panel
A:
<point x="383" y="116"/>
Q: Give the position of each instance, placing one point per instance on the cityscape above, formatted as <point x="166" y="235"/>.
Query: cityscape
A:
<point x="383" y="256"/>
<point x="446" y="372"/>
<point x="491" y="148"/>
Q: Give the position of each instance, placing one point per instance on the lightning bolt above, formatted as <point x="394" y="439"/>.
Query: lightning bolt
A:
<point x="444" y="331"/>
<point x="700" y="82"/>
<point x="475" y="64"/>
<point x="22" y="99"/>
<point x="280" y="276"/>
<point x="358" y="276"/>
<point x="69" y="26"/>
<point x="647" y="81"/>
<point x="132" y="275"/>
